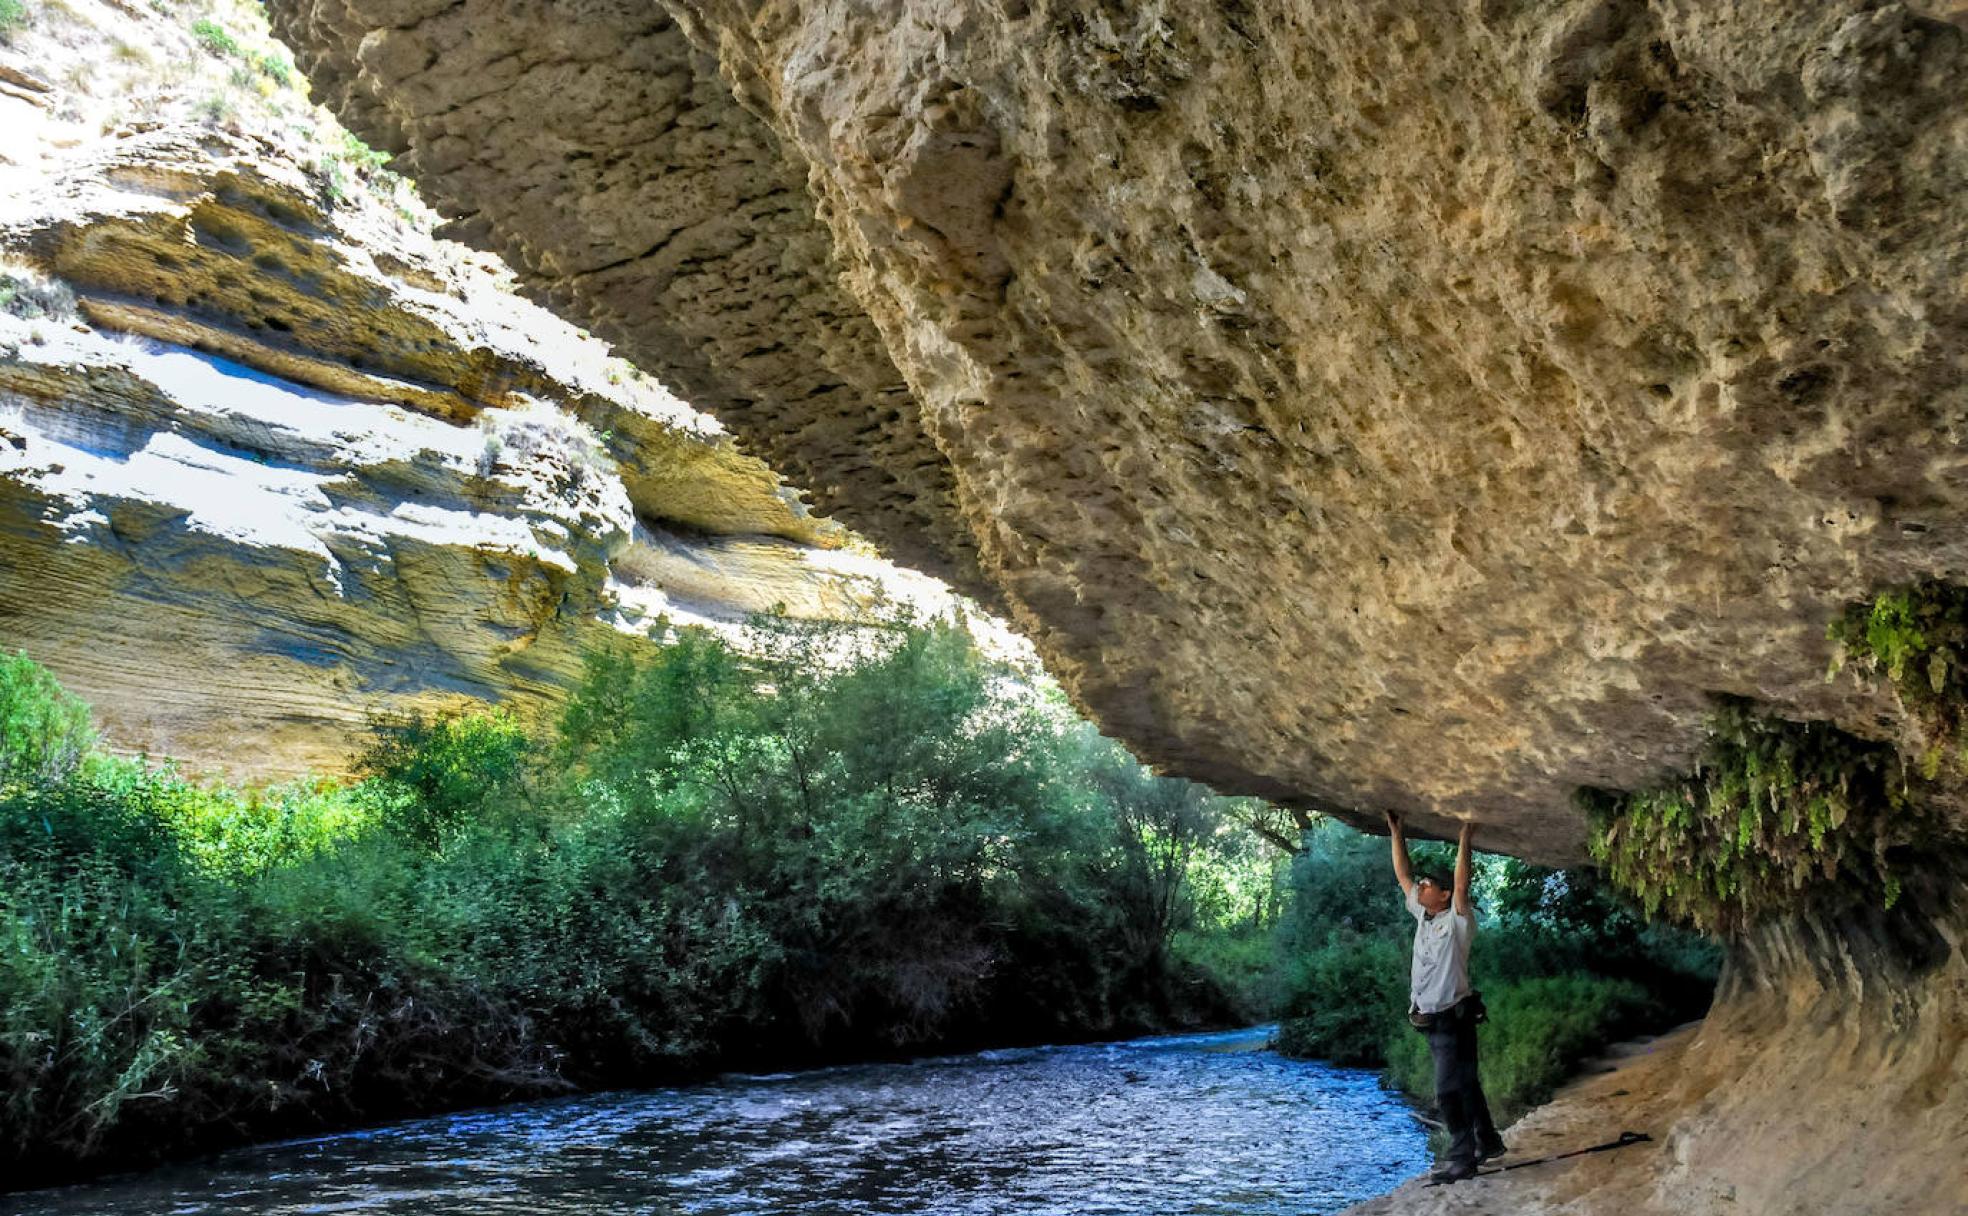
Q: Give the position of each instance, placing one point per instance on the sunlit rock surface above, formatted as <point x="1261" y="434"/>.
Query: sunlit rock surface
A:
<point x="290" y="463"/>
<point x="1371" y="406"/>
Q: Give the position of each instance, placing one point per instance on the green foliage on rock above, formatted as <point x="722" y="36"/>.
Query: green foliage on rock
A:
<point x="1917" y="637"/>
<point x="220" y="41"/>
<point x="1779" y="811"/>
<point x="1774" y="810"/>
<point x="216" y="38"/>
<point x="275" y="67"/>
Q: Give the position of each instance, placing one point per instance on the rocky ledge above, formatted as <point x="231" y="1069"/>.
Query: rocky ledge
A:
<point x="268" y="445"/>
<point x="1359" y="409"/>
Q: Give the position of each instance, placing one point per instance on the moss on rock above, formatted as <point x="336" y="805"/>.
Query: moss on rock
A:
<point x="1775" y="810"/>
<point x="1917" y="637"/>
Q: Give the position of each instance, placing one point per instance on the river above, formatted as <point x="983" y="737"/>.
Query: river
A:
<point x="1184" y="1124"/>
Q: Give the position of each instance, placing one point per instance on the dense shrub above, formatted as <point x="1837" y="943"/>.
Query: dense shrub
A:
<point x="432" y="776"/>
<point x="1537" y="1033"/>
<point x="44" y="732"/>
<point x="215" y="38"/>
<point x="1340" y="997"/>
<point x="930" y="856"/>
<point x="711" y="859"/>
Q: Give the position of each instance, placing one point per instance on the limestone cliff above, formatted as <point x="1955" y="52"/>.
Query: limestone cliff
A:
<point x="274" y="460"/>
<point x="1364" y="404"/>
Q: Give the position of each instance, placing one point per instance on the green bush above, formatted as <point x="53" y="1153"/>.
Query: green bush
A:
<point x="220" y="41"/>
<point x="1231" y="970"/>
<point x="435" y="775"/>
<point x="361" y="155"/>
<point x="275" y="68"/>
<point x="216" y="38"/>
<point x="44" y="732"/>
<point x="1346" y="1000"/>
<point x="243" y="832"/>
<point x="712" y="859"/>
<point x="13" y="16"/>
<point x="108" y="814"/>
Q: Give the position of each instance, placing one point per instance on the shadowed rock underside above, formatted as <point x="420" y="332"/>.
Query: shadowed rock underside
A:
<point x="1363" y="410"/>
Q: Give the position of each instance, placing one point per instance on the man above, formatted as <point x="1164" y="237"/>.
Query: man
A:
<point x="1439" y="986"/>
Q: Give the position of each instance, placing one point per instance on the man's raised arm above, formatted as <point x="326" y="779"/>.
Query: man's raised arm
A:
<point x="1462" y="870"/>
<point x="1401" y="872"/>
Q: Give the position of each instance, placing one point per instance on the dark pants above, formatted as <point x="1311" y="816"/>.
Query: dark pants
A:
<point x="1452" y="1041"/>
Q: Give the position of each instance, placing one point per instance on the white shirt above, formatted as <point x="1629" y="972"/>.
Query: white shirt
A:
<point x="1439" y="976"/>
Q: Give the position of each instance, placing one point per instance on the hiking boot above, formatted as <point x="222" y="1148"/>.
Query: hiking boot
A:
<point x="1489" y="1150"/>
<point x="1454" y="1171"/>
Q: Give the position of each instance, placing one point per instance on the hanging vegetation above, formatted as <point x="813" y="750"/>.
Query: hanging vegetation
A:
<point x="1918" y="638"/>
<point x="1775" y="811"/>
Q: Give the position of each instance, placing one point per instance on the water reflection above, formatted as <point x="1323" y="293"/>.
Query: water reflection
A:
<point x="1191" y="1124"/>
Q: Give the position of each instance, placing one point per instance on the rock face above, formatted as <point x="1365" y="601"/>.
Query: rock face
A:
<point x="1360" y="409"/>
<point x="1366" y="407"/>
<point x="284" y="462"/>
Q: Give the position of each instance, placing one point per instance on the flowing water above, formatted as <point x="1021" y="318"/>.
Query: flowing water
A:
<point x="1153" y="1127"/>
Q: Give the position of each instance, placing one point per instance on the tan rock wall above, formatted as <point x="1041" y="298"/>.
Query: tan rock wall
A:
<point x="1364" y="405"/>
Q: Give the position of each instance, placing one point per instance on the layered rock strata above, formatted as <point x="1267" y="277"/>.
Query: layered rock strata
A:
<point x="288" y="465"/>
